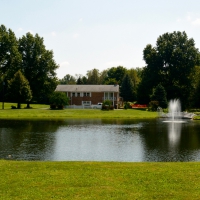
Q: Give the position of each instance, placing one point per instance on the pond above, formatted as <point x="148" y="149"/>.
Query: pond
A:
<point x="100" y="140"/>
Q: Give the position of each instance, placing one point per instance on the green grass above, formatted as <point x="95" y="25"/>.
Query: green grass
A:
<point x="43" y="112"/>
<point x="98" y="180"/>
<point x="197" y="117"/>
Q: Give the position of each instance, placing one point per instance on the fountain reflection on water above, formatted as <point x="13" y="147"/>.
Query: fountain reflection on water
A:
<point x="175" y="120"/>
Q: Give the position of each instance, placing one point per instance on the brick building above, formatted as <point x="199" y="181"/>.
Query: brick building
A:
<point x="90" y="94"/>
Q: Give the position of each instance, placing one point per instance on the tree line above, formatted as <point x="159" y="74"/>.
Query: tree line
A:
<point x="172" y="72"/>
<point x="27" y="71"/>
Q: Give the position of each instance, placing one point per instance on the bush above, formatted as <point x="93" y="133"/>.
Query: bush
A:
<point x="107" y="105"/>
<point x="58" y="100"/>
<point x="53" y="107"/>
<point x="153" y="105"/>
<point x="128" y="105"/>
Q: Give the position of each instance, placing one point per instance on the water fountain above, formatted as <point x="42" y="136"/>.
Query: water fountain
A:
<point x="174" y="112"/>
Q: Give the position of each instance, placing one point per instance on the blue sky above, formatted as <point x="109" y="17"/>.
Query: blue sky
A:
<point x="88" y="34"/>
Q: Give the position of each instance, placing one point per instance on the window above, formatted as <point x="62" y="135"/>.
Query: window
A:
<point x="78" y="94"/>
<point x="73" y="94"/>
<point x="108" y="96"/>
<point x="86" y="103"/>
<point x="86" y="94"/>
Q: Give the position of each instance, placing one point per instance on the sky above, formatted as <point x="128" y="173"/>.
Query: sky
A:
<point x="88" y="34"/>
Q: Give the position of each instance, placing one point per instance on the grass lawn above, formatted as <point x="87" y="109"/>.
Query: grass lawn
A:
<point x="43" y="112"/>
<point x="98" y="180"/>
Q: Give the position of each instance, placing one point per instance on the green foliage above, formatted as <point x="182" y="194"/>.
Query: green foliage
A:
<point x="127" y="90"/>
<point x="133" y="73"/>
<point x="107" y="105"/>
<point x="67" y="80"/>
<point x="170" y="63"/>
<point x="195" y="89"/>
<point x="10" y="58"/>
<point x="19" y="89"/>
<point x="82" y="80"/>
<point x="38" y="66"/>
<point x="93" y="77"/>
<point x="128" y="105"/>
<point x="159" y="95"/>
<point x="58" y="100"/>
<point x="115" y="75"/>
<point x="79" y="81"/>
<point x="153" y="105"/>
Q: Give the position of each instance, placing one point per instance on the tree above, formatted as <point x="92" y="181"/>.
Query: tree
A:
<point x="10" y="58"/>
<point x="127" y="89"/>
<point x="58" y="99"/>
<point x="81" y="80"/>
<point x="170" y="63"/>
<point x="19" y="89"/>
<point x="93" y="77"/>
<point x="134" y="76"/>
<point x="68" y="80"/>
<point x="103" y="76"/>
<point x="38" y="66"/>
<point x="195" y="94"/>
<point x="115" y="74"/>
<point x="159" y="95"/>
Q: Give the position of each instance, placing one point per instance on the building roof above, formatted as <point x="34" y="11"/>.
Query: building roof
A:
<point x="88" y="88"/>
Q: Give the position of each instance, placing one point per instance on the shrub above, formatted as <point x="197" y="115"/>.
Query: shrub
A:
<point x="128" y="105"/>
<point x="107" y="105"/>
<point x="53" y="107"/>
<point x="153" y="105"/>
<point x="58" y="100"/>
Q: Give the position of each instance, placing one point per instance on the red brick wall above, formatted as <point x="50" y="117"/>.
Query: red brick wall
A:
<point x="96" y="97"/>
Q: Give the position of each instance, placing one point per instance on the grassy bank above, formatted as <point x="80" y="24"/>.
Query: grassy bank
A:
<point x="98" y="180"/>
<point x="43" y="111"/>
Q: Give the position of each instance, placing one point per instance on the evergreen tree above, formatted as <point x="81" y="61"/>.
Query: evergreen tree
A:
<point x="19" y="89"/>
<point x="79" y="81"/>
<point x="127" y="89"/>
<point x="159" y="94"/>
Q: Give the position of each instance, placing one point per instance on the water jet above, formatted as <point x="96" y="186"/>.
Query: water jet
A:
<point x="174" y="112"/>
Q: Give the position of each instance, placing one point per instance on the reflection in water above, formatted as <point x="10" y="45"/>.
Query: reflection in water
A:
<point x="100" y="140"/>
<point x="100" y="143"/>
<point x="174" y="133"/>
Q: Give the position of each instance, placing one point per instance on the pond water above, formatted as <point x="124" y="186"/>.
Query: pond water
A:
<point x="100" y="140"/>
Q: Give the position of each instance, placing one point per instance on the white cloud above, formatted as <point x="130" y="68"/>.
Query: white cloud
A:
<point x="53" y="33"/>
<point x="63" y="69"/>
<point x="63" y="64"/>
<point x="19" y="29"/>
<point x="81" y="19"/>
<point x="188" y="17"/>
<point x="76" y="35"/>
<point x="196" y="22"/>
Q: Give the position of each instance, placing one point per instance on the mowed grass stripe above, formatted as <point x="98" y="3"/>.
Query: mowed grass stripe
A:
<point x="99" y="180"/>
<point x="43" y="111"/>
